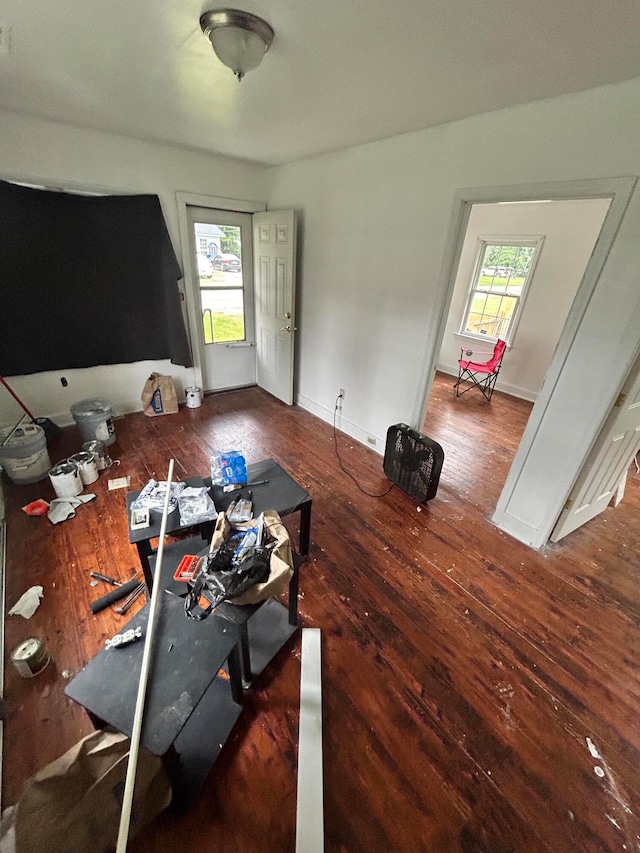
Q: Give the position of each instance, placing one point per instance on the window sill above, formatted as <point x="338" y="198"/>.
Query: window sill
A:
<point x="484" y="338"/>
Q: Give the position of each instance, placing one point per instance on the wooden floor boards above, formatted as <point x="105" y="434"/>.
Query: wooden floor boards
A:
<point x="477" y="695"/>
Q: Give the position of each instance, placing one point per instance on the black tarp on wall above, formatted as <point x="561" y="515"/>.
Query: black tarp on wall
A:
<point x="86" y="280"/>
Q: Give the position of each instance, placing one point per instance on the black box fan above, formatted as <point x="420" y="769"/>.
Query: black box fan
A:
<point x="413" y="462"/>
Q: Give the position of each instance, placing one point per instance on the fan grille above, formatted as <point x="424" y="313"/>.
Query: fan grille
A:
<point x="413" y="462"/>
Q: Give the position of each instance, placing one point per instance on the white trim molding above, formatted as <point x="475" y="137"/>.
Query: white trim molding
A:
<point x="599" y="341"/>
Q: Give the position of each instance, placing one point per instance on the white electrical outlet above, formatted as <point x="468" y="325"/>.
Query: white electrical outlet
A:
<point x="340" y="399"/>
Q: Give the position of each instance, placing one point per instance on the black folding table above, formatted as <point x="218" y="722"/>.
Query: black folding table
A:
<point x="191" y="702"/>
<point x="280" y="492"/>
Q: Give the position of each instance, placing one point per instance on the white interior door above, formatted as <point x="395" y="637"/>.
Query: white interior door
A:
<point x="222" y="260"/>
<point x="607" y="464"/>
<point x="274" y="241"/>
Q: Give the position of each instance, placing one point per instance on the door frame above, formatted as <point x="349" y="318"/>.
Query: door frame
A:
<point x="191" y="278"/>
<point x="506" y="516"/>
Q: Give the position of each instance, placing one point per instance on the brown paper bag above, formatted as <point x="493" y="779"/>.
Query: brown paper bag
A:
<point x="280" y="563"/>
<point x="73" y="805"/>
<point x="159" y="396"/>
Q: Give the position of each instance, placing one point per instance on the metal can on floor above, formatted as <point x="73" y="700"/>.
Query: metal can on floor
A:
<point x="100" y="455"/>
<point x="30" y="657"/>
<point x="65" y="479"/>
<point x="194" y="399"/>
<point x="87" y="467"/>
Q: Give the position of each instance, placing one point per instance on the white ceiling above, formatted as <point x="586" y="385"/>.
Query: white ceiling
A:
<point x="339" y="73"/>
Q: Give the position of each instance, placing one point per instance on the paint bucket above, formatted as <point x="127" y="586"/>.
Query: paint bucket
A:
<point x="86" y="465"/>
<point x="193" y="397"/>
<point x="30" y="657"/>
<point x="95" y="419"/>
<point x="24" y="456"/>
<point x="65" y="479"/>
<point x="100" y="455"/>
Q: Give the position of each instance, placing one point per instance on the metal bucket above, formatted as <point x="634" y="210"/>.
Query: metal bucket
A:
<point x="65" y="479"/>
<point x="100" y="455"/>
<point x="23" y="454"/>
<point x="95" y="419"/>
<point x="86" y="465"/>
<point x="30" y="657"/>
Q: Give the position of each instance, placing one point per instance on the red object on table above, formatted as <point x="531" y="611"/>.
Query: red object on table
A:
<point x="187" y="568"/>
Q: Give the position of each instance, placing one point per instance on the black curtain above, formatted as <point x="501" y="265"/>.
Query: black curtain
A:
<point x="86" y="280"/>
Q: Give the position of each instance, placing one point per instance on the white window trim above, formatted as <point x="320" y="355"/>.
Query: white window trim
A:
<point x="536" y="242"/>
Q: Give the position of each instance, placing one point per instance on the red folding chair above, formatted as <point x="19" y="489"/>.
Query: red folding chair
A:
<point x="481" y="374"/>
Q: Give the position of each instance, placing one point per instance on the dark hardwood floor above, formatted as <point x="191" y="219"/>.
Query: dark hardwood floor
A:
<point x="477" y="695"/>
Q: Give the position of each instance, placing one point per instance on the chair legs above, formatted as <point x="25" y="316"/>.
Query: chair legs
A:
<point x="486" y="385"/>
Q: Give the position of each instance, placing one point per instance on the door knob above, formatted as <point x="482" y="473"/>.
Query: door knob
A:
<point x="288" y="328"/>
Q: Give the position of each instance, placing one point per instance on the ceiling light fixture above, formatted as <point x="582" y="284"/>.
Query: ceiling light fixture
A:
<point x="239" y="39"/>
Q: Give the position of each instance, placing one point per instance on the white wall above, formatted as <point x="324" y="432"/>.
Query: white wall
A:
<point x="60" y="155"/>
<point x="570" y="229"/>
<point x="379" y="226"/>
<point x="375" y="220"/>
<point x="375" y="225"/>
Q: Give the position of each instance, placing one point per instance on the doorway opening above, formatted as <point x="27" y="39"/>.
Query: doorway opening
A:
<point x="543" y="248"/>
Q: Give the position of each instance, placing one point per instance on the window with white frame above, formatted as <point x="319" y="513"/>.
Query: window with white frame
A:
<point x="502" y="274"/>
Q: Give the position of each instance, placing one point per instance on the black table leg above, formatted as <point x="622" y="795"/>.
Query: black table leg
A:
<point x="247" y="675"/>
<point x="172" y="765"/>
<point x="305" y="527"/>
<point x="96" y="721"/>
<point x="293" y="598"/>
<point x="144" y="552"/>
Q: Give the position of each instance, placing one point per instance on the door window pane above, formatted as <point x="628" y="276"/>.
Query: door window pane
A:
<point x="222" y="315"/>
<point x="219" y="262"/>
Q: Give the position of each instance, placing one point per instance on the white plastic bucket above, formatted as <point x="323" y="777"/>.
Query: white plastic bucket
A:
<point x="65" y="479"/>
<point x="95" y="419"/>
<point x="194" y="399"/>
<point x="25" y="457"/>
<point x="86" y="465"/>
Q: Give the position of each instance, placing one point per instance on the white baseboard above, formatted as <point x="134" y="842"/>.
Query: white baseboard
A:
<point x="343" y="424"/>
<point x="126" y="407"/>
<point x="505" y="387"/>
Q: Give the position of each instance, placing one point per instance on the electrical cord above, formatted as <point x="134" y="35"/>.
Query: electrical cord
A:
<point x="348" y="473"/>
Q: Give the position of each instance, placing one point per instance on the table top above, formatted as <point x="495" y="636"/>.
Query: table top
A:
<point x="187" y="657"/>
<point x="281" y="493"/>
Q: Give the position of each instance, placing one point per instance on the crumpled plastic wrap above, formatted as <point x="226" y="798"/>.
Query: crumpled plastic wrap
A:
<point x="153" y="495"/>
<point x="195" y="505"/>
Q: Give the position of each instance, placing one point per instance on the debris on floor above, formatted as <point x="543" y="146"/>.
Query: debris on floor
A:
<point x="28" y="602"/>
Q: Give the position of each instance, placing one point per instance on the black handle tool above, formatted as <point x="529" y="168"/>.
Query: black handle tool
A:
<point x="100" y="577"/>
<point x="115" y="595"/>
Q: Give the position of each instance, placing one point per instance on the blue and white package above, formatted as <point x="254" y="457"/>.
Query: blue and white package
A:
<point x="233" y="467"/>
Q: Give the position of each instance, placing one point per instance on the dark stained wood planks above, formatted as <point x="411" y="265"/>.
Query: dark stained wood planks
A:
<point x="477" y="695"/>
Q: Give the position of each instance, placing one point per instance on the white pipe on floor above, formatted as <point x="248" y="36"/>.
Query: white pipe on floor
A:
<point x="310" y="814"/>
